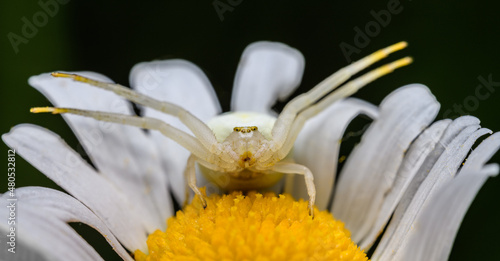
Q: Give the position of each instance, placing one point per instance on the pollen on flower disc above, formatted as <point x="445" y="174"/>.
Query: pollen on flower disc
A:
<point x="251" y="227"/>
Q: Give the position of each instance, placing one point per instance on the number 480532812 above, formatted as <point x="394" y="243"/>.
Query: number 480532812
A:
<point x="11" y="171"/>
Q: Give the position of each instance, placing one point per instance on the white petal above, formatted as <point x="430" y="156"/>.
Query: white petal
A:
<point x="267" y="71"/>
<point x="182" y="83"/>
<point x="124" y="154"/>
<point x="370" y="170"/>
<point x="177" y="81"/>
<point x="430" y="178"/>
<point x="436" y="228"/>
<point x="318" y="144"/>
<point x="451" y="132"/>
<point x="41" y="226"/>
<point x="48" y="153"/>
<point x="415" y="157"/>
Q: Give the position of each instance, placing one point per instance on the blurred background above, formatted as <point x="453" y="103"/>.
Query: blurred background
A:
<point x="454" y="44"/>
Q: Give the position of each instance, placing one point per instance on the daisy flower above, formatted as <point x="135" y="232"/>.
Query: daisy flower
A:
<point x="408" y="182"/>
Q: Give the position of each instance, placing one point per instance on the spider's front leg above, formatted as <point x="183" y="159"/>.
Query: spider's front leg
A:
<point x="282" y="128"/>
<point x="198" y="127"/>
<point x="185" y="140"/>
<point x="345" y="91"/>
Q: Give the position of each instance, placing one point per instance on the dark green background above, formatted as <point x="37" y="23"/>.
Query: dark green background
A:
<point x="452" y="43"/>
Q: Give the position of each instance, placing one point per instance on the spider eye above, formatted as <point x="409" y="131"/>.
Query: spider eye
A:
<point x="245" y="129"/>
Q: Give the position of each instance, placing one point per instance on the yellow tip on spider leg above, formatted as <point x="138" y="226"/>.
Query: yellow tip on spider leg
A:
<point x="396" y="64"/>
<point x="383" y="70"/>
<point x="75" y="77"/>
<point x="48" y="109"/>
<point x="390" y="49"/>
<point x="397" y="46"/>
<point x="375" y="57"/>
<point x="62" y="75"/>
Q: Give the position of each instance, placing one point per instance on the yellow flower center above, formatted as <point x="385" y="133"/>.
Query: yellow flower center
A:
<point x="251" y="227"/>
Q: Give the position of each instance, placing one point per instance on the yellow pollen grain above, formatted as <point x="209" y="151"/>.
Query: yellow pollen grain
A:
<point x="251" y="227"/>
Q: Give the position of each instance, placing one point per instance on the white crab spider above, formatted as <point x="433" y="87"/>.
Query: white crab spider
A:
<point x="251" y="156"/>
